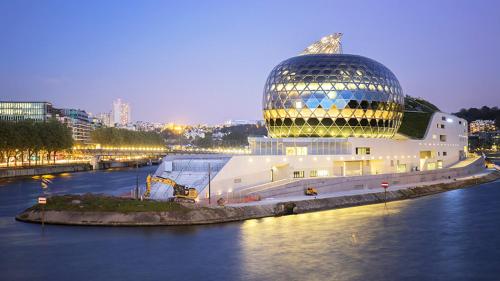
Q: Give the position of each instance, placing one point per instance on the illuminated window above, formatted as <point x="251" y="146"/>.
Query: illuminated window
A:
<point x="298" y="174"/>
<point x="322" y="173"/>
<point x="313" y="173"/>
<point x="401" y="168"/>
<point x="362" y="151"/>
<point x="440" y="164"/>
<point x="431" y="166"/>
<point x="425" y="154"/>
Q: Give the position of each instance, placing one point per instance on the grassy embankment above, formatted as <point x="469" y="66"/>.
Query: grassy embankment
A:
<point x="103" y="203"/>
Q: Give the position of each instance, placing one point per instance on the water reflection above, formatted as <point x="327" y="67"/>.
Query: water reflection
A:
<point x="273" y="246"/>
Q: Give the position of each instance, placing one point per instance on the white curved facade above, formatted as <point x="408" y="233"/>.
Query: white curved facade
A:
<point x="444" y="144"/>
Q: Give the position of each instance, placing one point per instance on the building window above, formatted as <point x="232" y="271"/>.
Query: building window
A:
<point x="298" y="174"/>
<point x="440" y="164"/>
<point x="362" y="151"/>
<point x="442" y="137"/>
<point x="444" y="153"/>
<point x="425" y="154"/>
<point x="313" y="173"/>
<point x="431" y="166"/>
<point x="443" y="118"/>
<point x="442" y="126"/>
<point x="401" y="168"/>
<point x="322" y="173"/>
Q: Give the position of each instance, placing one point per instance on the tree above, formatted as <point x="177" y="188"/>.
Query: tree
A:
<point x="123" y="137"/>
<point x="24" y="139"/>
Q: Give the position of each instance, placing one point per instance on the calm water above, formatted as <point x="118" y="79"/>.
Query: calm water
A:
<point x="449" y="236"/>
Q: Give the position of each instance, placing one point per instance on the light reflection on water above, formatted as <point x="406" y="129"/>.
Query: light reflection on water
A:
<point x="274" y="246"/>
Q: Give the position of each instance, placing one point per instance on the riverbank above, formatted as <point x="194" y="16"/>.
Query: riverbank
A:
<point x="99" y="210"/>
<point x="43" y="170"/>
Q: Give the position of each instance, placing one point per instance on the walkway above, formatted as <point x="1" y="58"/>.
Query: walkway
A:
<point x="268" y="201"/>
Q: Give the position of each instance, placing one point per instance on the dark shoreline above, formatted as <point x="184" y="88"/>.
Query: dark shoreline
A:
<point x="197" y="215"/>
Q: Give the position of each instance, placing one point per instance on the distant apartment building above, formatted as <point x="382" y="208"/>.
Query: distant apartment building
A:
<point x="21" y="110"/>
<point x="121" y="114"/>
<point x="481" y="126"/>
<point x="147" y="126"/>
<point x="105" y="119"/>
<point x="78" y="121"/>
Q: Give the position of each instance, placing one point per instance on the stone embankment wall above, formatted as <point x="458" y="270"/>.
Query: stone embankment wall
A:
<point x="337" y="184"/>
<point x="197" y="215"/>
<point x="43" y="170"/>
<point x="209" y="215"/>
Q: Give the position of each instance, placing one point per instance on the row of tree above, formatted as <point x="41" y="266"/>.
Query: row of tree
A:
<point x="124" y="137"/>
<point x="483" y="113"/>
<point x="28" y="141"/>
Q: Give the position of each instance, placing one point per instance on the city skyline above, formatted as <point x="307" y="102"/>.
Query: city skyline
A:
<point x="192" y="67"/>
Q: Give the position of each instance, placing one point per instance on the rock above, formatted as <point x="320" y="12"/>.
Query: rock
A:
<point x="76" y="202"/>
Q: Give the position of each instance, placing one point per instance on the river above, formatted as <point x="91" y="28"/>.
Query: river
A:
<point x="448" y="236"/>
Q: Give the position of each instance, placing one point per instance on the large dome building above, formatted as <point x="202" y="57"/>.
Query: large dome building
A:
<point x="332" y="95"/>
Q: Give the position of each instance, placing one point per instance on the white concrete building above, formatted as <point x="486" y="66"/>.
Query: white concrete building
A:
<point x="444" y="144"/>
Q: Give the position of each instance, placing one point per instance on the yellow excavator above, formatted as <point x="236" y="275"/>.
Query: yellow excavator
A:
<point x="182" y="194"/>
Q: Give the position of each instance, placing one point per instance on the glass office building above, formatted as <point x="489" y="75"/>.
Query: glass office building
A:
<point x="18" y="111"/>
<point x="332" y="95"/>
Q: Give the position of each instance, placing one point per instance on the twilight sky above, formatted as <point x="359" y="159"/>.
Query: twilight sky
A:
<point x="207" y="61"/>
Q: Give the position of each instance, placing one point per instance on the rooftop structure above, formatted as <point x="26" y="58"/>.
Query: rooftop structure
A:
<point x="330" y="44"/>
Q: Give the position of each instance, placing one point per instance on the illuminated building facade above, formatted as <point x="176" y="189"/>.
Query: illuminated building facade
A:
<point x="332" y="95"/>
<point x="330" y="114"/>
<point x="20" y="110"/>
<point x="480" y="126"/>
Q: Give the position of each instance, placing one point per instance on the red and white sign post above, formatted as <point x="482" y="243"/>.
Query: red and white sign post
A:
<point x="385" y="185"/>
<point x="42" y="201"/>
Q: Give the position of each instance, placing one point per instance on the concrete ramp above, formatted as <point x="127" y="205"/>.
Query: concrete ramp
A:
<point x="188" y="170"/>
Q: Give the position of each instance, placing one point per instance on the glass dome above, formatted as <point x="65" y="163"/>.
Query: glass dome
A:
<point x="332" y="95"/>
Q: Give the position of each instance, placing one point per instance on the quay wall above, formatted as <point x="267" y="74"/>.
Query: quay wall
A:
<point x="43" y="170"/>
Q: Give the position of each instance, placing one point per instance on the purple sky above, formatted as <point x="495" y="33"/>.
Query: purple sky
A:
<point x="207" y="61"/>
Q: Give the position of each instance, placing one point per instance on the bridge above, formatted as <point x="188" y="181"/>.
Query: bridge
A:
<point x="102" y="157"/>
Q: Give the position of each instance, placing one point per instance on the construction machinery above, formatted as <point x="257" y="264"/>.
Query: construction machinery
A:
<point x="182" y="194"/>
<point x="311" y="191"/>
